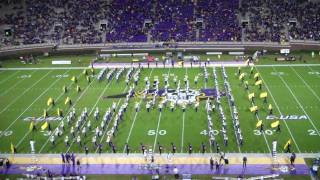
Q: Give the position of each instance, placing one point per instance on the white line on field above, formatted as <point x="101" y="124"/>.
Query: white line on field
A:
<point x="231" y="115"/>
<point x="6" y="79"/>
<point x="274" y="101"/>
<point x="67" y="113"/>
<point x="306" y="84"/>
<point x="159" y="119"/>
<point x="134" y="119"/>
<point x="18" y="97"/>
<point x="21" y="140"/>
<point x="310" y="120"/>
<point x="182" y="133"/>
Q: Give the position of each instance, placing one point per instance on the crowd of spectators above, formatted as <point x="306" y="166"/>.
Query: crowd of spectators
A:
<point x="78" y="21"/>
<point x="277" y="21"/>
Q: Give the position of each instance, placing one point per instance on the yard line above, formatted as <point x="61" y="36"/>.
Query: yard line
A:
<point x="306" y="84"/>
<point x="310" y="120"/>
<point x="231" y="114"/>
<point x="182" y="135"/>
<point x="21" y="140"/>
<point x="18" y="97"/>
<point x="134" y="119"/>
<point x="157" y="131"/>
<point x="92" y="109"/>
<point x="67" y="113"/>
<point x="275" y="103"/>
<point x="6" y="79"/>
<point x="159" y="119"/>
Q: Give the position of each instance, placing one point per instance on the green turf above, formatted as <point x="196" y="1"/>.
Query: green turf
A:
<point x="291" y="91"/>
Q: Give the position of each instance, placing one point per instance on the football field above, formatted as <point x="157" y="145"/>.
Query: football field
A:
<point x="293" y="92"/>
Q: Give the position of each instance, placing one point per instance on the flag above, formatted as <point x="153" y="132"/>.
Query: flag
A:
<point x="247" y="62"/>
<point x="250" y="96"/>
<point x="49" y="102"/>
<point x="45" y="114"/>
<point x="253" y="108"/>
<point x="78" y="88"/>
<point x="31" y="125"/>
<point x="287" y="144"/>
<point x="64" y="89"/>
<point x="259" y="123"/>
<point x="258" y="82"/>
<point x="74" y="79"/>
<point x="67" y="100"/>
<point x="256" y="75"/>
<point x="12" y="148"/>
<point x="85" y="72"/>
<point x="241" y="76"/>
<point x="44" y="126"/>
<point x="59" y="112"/>
<point x="275" y="124"/>
<point x="263" y="95"/>
<point x="270" y="107"/>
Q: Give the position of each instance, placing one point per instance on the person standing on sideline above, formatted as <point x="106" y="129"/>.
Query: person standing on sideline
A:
<point x="244" y="162"/>
<point x="211" y="163"/>
<point x="292" y="158"/>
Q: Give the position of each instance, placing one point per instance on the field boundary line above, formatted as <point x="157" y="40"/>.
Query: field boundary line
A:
<point x="85" y="90"/>
<point x="301" y="107"/>
<point x="18" y="97"/>
<point x="275" y="103"/>
<point x="7" y="78"/>
<point x="135" y="117"/>
<point x="306" y="84"/>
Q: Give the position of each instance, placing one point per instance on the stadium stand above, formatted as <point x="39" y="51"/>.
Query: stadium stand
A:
<point x="99" y="21"/>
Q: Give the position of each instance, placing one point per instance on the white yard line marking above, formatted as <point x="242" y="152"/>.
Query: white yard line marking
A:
<point x="18" y="97"/>
<point x="301" y="107"/>
<point x="231" y="115"/>
<point x="6" y="79"/>
<point x="134" y="119"/>
<point x="15" y="84"/>
<point x="157" y="131"/>
<point x="85" y="90"/>
<point x="159" y="119"/>
<point x="275" y="103"/>
<point x="182" y="133"/>
<point x="306" y="84"/>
